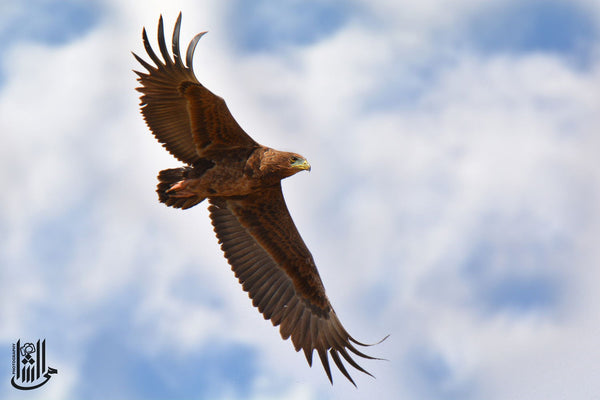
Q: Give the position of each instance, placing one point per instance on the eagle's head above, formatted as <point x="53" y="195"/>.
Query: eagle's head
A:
<point x="282" y="163"/>
<point x="297" y="163"/>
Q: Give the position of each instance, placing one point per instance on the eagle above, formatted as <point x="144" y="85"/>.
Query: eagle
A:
<point x="242" y="181"/>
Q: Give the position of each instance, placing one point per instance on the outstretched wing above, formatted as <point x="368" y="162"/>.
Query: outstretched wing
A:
<point x="188" y="119"/>
<point x="275" y="267"/>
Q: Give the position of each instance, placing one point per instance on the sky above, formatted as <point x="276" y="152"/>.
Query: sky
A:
<point x="453" y="202"/>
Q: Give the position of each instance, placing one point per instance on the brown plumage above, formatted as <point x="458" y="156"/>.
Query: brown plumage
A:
<point x="242" y="181"/>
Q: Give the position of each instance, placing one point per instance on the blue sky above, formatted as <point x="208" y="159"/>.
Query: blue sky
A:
<point x="453" y="201"/>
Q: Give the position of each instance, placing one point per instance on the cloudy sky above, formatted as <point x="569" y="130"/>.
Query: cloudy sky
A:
<point x="454" y="200"/>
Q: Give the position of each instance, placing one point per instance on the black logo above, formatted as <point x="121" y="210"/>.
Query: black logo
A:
<point x="29" y="365"/>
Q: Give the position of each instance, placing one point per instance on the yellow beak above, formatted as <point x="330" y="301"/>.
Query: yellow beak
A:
<point x="301" y="164"/>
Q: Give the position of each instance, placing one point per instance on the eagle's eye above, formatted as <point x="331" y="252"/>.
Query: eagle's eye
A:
<point x="294" y="159"/>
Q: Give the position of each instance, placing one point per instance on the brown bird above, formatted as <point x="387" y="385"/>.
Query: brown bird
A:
<point x="242" y="181"/>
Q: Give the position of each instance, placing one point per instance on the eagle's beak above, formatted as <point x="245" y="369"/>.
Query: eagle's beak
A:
<point x="301" y="164"/>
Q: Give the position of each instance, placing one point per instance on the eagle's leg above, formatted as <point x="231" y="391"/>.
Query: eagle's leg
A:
<point x="180" y="190"/>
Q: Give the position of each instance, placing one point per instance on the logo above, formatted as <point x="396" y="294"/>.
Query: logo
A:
<point x="29" y="365"/>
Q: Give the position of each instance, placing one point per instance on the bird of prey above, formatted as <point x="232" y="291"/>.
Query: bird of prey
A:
<point x="242" y="181"/>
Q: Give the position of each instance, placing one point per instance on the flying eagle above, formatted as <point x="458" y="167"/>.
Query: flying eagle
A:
<point x="242" y="181"/>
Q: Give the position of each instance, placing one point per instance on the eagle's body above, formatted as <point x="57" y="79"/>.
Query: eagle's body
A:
<point x="238" y="172"/>
<point x="242" y="181"/>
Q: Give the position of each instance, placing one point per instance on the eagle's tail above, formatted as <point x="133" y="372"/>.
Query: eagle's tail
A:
<point x="167" y="179"/>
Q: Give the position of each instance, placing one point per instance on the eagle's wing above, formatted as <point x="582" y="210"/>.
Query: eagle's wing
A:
<point x="275" y="267"/>
<point x="188" y="119"/>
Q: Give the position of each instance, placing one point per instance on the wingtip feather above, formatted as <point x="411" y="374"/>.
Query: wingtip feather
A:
<point x="162" y="45"/>
<point x="325" y="361"/>
<point x="308" y="352"/>
<point x="336" y="359"/>
<point x="175" y="40"/>
<point x="191" y="48"/>
<point x="367" y="344"/>
<point x="149" y="50"/>
<point x="148" y="67"/>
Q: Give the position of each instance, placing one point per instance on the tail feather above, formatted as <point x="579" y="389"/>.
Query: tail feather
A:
<point x="166" y="179"/>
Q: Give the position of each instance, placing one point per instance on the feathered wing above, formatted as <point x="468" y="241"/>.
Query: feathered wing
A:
<point x="275" y="267"/>
<point x="188" y="119"/>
